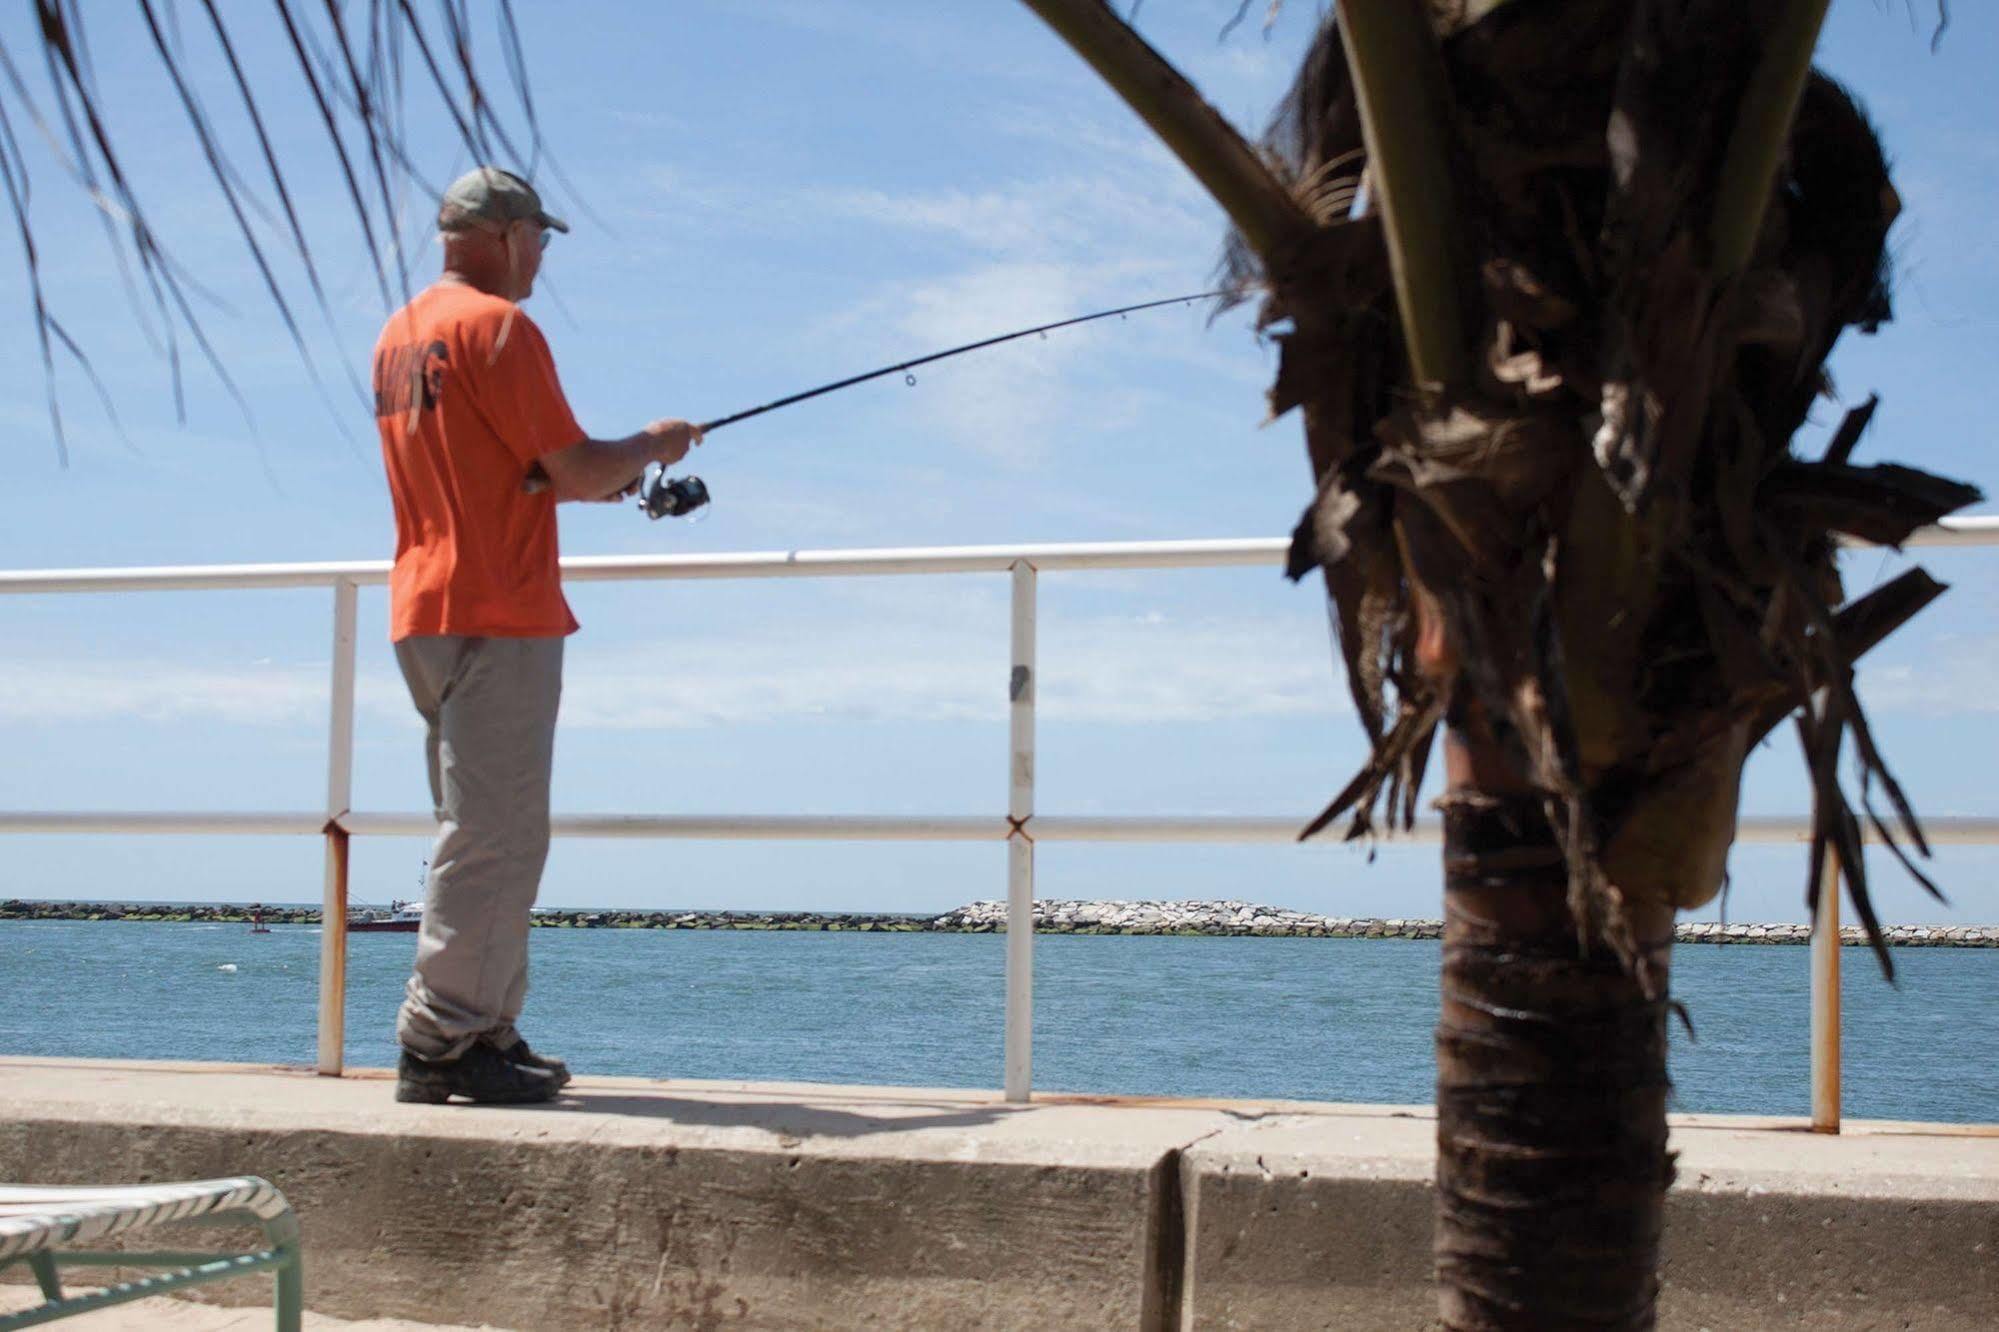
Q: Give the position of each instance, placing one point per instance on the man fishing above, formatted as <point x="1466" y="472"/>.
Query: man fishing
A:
<point x="468" y="405"/>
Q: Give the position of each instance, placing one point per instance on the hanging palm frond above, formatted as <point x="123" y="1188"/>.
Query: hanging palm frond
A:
<point x="348" y="61"/>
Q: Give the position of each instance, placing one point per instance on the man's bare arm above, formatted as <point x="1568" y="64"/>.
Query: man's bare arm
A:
<point x="601" y="469"/>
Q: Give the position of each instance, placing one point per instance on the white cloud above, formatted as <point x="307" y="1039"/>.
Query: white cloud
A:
<point x="915" y="32"/>
<point x="938" y="658"/>
<point x="1148" y="668"/>
<point x="888" y="654"/>
<point x="1115" y="139"/>
<point x="261" y="693"/>
<point x="1152" y="668"/>
<point x="1010" y="401"/>
<point x="1143" y="669"/>
<point x="1046" y="249"/>
<point x="1959" y="674"/>
<point x="1111" y="211"/>
<point x="1111" y="220"/>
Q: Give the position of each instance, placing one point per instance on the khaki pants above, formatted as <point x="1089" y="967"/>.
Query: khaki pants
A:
<point x="489" y="705"/>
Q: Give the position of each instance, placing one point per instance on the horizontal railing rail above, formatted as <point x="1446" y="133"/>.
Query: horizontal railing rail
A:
<point x="1020" y="827"/>
<point x="1045" y="557"/>
<point x="1247" y="829"/>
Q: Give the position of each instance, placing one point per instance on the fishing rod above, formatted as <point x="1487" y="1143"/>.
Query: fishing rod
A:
<point x="676" y="497"/>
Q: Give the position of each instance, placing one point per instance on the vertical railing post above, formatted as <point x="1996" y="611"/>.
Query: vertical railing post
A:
<point x="339" y="796"/>
<point x="1020" y="844"/>
<point x="1825" y="1001"/>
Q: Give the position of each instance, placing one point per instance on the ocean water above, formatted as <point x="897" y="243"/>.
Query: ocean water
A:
<point x="1316" y="1019"/>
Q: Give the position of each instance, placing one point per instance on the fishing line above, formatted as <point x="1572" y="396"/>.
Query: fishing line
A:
<point x="675" y="497"/>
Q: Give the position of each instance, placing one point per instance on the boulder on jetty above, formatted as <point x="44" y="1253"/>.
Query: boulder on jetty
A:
<point x="1204" y="918"/>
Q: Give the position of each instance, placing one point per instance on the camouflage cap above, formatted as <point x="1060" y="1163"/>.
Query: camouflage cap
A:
<point x="491" y="195"/>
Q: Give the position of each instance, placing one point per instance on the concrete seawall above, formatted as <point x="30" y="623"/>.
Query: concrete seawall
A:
<point x="641" y="1204"/>
<point x="1236" y="919"/>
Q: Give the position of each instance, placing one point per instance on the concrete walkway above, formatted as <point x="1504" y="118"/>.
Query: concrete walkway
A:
<point x="164" y="1315"/>
<point x="636" y="1203"/>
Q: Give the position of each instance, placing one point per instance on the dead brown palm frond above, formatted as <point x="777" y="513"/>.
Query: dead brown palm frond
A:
<point x="109" y="215"/>
<point x="229" y="184"/>
<point x="349" y="60"/>
<point x="1270" y="14"/>
<point x="1700" y="577"/>
<point x="1327" y="193"/>
<point x="1700" y="401"/>
<point x="371" y="113"/>
<point x="14" y="174"/>
<point x="1937" y="29"/>
<point x="300" y="245"/>
<point x="66" y="80"/>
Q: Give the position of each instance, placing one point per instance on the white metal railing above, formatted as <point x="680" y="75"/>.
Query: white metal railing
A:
<point x="1020" y="827"/>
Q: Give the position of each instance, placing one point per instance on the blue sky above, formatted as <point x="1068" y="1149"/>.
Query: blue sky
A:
<point x="784" y="193"/>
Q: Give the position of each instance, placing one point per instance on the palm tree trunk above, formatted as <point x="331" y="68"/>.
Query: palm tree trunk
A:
<point x="1551" y="1082"/>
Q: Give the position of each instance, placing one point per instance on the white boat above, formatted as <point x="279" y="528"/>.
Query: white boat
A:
<point x="398" y="917"/>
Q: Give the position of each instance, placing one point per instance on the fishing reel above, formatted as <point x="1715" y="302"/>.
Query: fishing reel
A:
<point x="663" y="496"/>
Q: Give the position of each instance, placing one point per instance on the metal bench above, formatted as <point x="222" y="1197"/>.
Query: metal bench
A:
<point x="34" y="1221"/>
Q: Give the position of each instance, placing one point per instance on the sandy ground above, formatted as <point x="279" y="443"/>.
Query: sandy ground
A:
<point x="168" y="1315"/>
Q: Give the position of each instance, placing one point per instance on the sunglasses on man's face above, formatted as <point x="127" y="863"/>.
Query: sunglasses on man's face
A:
<point x="503" y="233"/>
<point x="542" y="235"/>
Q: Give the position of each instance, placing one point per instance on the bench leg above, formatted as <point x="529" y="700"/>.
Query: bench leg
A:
<point x="44" y="1268"/>
<point x="291" y="1294"/>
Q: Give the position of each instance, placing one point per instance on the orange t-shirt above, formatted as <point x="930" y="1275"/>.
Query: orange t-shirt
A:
<point x="466" y="399"/>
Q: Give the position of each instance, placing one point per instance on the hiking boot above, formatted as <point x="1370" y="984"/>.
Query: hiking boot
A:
<point x="481" y="1075"/>
<point x="519" y="1053"/>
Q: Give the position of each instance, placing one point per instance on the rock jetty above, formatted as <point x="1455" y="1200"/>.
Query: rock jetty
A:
<point x="1213" y="918"/>
<point x="230" y="914"/>
<point x="1230" y="918"/>
<point x="1244" y="918"/>
<point x="853" y="922"/>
